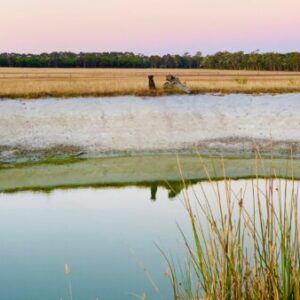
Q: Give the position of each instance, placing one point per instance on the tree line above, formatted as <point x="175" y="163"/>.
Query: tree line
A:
<point x="220" y="60"/>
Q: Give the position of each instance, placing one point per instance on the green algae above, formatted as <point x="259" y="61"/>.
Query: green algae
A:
<point x="144" y="171"/>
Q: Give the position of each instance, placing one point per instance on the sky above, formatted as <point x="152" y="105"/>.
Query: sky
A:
<point x="149" y="26"/>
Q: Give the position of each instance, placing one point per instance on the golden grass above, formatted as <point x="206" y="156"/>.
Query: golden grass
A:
<point x="36" y="83"/>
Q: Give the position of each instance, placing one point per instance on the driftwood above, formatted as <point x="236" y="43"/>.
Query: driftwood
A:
<point x="151" y="82"/>
<point x="174" y="82"/>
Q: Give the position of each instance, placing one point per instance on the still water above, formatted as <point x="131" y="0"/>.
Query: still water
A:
<point x="106" y="236"/>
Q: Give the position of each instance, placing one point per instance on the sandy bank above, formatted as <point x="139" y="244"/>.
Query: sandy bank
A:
<point x="233" y="123"/>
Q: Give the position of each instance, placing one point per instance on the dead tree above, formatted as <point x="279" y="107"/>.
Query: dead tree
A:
<point x="151" y="82"/>
<point x="173" y="82"/>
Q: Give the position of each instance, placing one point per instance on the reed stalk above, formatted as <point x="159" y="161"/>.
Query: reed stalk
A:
<point x="244" y="245"/>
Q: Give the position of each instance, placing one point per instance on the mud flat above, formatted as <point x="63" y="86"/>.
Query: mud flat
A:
<point x="233" y="124"/>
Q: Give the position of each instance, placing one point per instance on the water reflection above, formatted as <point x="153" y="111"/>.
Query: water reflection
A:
<point x="146" y="171"/>
<point x="105" y="235"/>
<point x="173" y="188"/>
<point x="153" y="191"/>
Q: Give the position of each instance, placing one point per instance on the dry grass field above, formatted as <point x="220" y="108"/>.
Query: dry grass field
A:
<point x="36" y="83"/>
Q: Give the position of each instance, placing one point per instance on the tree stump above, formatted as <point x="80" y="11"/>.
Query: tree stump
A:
<point x="151" y="82"/>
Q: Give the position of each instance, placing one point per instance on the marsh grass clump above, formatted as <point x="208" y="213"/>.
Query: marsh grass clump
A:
<point x="291" y="81"/>
<point x="244" y="244"/>
<point x="241" y="80"/>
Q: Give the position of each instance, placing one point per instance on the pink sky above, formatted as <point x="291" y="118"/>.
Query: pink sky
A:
<point x="149" y="26"/>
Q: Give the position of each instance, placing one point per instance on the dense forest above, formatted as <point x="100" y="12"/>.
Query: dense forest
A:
<point x="219" y="60"/>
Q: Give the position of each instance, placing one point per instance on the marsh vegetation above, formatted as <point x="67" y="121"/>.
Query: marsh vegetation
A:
<point x="37" y="83"/>
<point x="245" y="242"/>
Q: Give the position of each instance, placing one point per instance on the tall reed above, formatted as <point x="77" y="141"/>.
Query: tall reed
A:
<point x="244" y="244"/>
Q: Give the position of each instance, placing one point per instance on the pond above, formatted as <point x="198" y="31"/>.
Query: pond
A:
<point x="106" y="236"/>
<point x="102" y="217"/>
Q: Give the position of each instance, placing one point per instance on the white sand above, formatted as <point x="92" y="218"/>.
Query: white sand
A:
<point x="151" y="124"/>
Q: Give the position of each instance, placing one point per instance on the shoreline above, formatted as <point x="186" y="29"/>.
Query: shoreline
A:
<point x="61" y="154"/>
<point x="147" y="93"/>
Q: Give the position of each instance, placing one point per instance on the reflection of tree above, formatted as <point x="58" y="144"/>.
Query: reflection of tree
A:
<point x="153" y="191"/>
<point x="174" y="189"/>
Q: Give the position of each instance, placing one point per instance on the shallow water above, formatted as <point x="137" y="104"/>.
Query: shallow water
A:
<point x="105" y="235"/>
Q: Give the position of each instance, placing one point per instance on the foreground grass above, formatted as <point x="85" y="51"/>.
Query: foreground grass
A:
<point x="37" y="83"/>
<point x="243" y="246"/>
